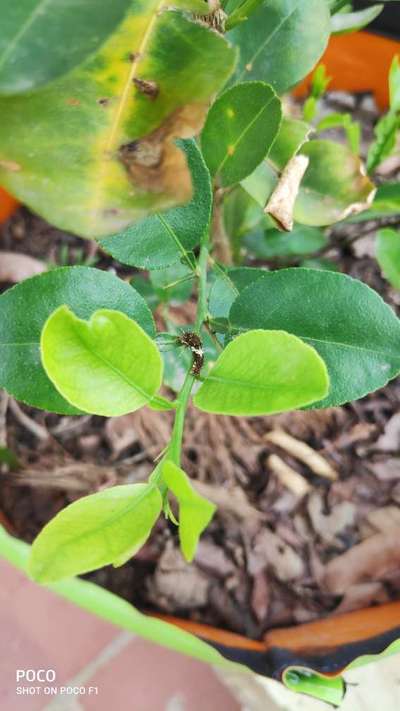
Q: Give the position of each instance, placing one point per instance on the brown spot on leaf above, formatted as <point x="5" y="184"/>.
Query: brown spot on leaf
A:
<point x="73" y="102"/>
<point x="148" y="88"/>
<point x="154" y="162"/>
<point x="10" y="165"/>
<point x="103" y="102"/>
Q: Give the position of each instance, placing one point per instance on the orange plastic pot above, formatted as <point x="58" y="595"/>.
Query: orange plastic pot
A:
<point x="357" y="62"/>
<point x="8" y="205"/>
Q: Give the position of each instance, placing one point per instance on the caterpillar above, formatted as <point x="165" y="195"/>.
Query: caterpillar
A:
<point x="193" y="342"/>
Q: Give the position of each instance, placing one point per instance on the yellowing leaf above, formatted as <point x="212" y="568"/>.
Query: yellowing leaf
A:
<point x="96" y="149"/>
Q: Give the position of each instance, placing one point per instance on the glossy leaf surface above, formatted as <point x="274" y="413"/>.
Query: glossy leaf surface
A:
<point x="195" y="512"/>
<point x="261" y="373"/>
<point x="24" y="310"/>
<point x="106" y="366"/>
<point x="239" y="131"/>
<point x="281" y="41"/>
<point x="388" y="255"/>
<point x="350" y="326"/>
<point x="40" y="41"/>
<point x="162" y="239"/>
<point x="94" y="531"/>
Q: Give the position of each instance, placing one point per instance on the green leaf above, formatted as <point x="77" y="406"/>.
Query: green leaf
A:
<point x="95" y="150"/>
<point x="162" y="239"/>
<point x="325" y="688"/>
<point x="344" y="22"/>
<point x="94" y="531"/>
<point x="195" y="512"/>
<point x="354" y="331"/>
<point x="40" y="41"/>
<point x="281" y="41"/>
<point x="239" y="130"/>
<point x="107" y="366"/>
<point x="145" y="288"/>
<point x="385" y="140"/>
<point x="8" y="457"/>
<point x="385" y="203"/>
<point x="173" y="284"/>
<point x="24" y="310"/>
<point x="275" y="243"/>
<point x="352" y="128"/>
<point x="262" y="373"/>
<point x="394" y="84"/>
<point x="334" y="185"/>
<point x="291" y="137"/>
<point x="388" y="255"/>
<point x="227" y="286"/>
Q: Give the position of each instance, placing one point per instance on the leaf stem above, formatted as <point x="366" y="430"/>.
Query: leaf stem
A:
<point x="242" y="13"/>
<point x="175" y="447"/>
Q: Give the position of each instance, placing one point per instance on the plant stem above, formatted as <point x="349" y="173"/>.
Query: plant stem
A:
<point x="241" y="13"/>
<point x="202" y="290"/>
<point x="175" y="447"/>
<point x="222" y="250"/>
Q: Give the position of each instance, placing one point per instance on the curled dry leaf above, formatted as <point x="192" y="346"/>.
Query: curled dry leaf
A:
<point x="260" y="596"/>
<point x="212" y="558"/>
<point x="361" y="595"/>
<point x="120" y="433"/>
<point x="389" y="441"/>
<point x="387" y="469"/>
<point x="231" y="501"/>
<point x="270" y="550"/>
<point x="15" y="267"/>
<point x="179" y="583"/>
<point x="329" y="526"/>
<point x="385" y="518"/>
<point x="303" y="452"/>
<point x="280" y="205"/>
<point x="291" y="479"/>
<point x="373" y="559"/>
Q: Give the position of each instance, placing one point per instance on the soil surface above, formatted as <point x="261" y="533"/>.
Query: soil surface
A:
<point x="308" y="520"/>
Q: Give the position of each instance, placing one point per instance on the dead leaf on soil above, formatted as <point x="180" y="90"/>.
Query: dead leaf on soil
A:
<point x="303" y="452"/>
<point x="330" y="525"/>
<point x="385" y="518"/>
<point x="260" y="596"/>
<point x="270" y="550"/>
<point x="288" y="477"/>
<point x="213" y="558"/>
<point x="387" y="469"/>
<point x="15" y="267"/>
<point x="177" y="584"/>
<point x="360" y="596"/>
<point x="389" y="441"/>
<point x="120" y="433"/>
<point x="372" y="559"/>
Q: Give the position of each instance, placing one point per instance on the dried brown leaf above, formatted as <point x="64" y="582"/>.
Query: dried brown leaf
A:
<point x="372" y="559"/>
<point x="15" y="267"/>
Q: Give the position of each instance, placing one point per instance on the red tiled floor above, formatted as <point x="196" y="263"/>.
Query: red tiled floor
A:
<point x="149" y="676"/>
<point x="39" y="630"/>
